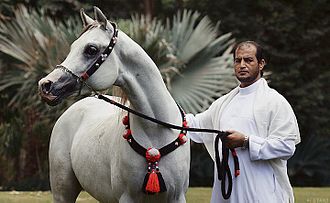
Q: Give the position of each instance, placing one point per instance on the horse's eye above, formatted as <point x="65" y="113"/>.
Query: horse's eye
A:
<point x="91" y="50"/>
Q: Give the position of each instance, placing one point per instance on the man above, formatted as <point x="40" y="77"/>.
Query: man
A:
<point x="263" y="130"/>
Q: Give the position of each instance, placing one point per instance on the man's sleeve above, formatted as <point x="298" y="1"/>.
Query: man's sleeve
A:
<point x="283" y="135"/>
<point x="194" y="123"/>
<point x="201" y="120"/>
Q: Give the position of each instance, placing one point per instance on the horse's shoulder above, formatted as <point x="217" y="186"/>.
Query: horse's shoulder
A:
<point x="89" y="104"/>
<point x="88" y="108"/>
<point x="87" y="113"/>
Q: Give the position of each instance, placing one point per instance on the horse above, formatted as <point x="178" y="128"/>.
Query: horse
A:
<point x="87" y="150"/>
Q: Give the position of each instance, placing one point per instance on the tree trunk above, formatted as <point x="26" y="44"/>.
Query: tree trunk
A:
<point x="149" y="7"/>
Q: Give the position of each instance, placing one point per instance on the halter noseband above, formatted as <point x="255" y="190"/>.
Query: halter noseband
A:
<point x="92" y="68"/>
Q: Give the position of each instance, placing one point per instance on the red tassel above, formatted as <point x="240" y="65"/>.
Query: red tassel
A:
<point x="153" y="183"/>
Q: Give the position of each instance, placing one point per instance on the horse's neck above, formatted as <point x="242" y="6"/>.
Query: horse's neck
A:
<point x="144" y="86"/>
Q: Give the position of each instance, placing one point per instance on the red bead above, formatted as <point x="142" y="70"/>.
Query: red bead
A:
<point x="125" y="120"/>
<point x="183" y="138"/>
<point x="127" y="133"/>
<point x="152" y="157"/>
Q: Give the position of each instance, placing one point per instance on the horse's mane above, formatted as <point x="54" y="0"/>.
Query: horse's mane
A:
<point x="118" y="92"/>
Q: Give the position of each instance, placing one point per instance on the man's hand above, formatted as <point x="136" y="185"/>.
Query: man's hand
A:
<point x="235" y="139"/>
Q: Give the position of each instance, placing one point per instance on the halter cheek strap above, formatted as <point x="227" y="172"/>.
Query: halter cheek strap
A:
<point x="102" y="57"/>
<point x="92" y="68"/>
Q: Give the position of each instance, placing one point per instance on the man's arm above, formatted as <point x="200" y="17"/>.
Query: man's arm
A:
<point x="202" y="120"/>
<point x="282" y="135"/>
<point x="193" y="122"/>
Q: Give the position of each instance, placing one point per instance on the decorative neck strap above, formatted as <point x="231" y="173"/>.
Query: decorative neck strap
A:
<point x="153" y="182"/>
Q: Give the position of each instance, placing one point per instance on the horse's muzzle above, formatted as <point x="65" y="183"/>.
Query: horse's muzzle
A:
<point x="45" y="92"/>
<point x="53" y="92"/>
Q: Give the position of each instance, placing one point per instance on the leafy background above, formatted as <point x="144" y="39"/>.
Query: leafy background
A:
<point x="190" y="41"/>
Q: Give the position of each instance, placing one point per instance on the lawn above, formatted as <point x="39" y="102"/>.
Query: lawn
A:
<point x="194" y="195"/>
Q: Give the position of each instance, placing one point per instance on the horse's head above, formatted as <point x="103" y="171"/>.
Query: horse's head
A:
<point x="90" y="60"/>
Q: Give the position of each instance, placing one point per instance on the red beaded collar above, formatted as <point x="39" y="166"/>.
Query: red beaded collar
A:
<point x="153" y="182"/>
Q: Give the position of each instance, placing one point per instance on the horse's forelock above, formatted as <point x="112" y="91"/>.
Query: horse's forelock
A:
<point x="89" y="27"/>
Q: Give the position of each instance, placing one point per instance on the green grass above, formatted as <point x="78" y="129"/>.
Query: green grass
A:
<point x="194" y="195"/>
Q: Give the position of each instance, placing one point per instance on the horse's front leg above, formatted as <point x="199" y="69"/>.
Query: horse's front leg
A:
<point x="64" y="184"/>
<point x="126" y="198"/>
<point x="181" y="199"/>
<point x="143" y="198"/>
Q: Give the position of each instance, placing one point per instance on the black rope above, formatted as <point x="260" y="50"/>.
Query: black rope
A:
<point x="223" y="168"/>
<point x="169" y="125"/>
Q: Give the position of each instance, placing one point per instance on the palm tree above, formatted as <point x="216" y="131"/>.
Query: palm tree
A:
<point x="193" y="59"/>
<point x="30" y="45"/>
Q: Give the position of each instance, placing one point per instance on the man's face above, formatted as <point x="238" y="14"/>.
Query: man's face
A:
<point x="247" y="68"/>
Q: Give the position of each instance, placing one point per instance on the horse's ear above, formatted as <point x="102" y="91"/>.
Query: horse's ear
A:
<point x="100" y="17"/>
<point x="85" y="18"/>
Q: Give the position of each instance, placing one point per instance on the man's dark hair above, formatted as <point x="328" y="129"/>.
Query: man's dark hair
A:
<point x="260" y="54"/>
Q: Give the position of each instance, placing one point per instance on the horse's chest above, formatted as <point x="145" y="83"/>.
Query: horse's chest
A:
<point x="103" y="159"/>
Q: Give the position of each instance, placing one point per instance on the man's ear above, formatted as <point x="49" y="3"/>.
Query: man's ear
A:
<point x="262" y="64"/>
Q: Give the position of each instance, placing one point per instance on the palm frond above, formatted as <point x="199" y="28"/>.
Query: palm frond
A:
<point x="35" y="43"/>
<point x="191" y="56"/>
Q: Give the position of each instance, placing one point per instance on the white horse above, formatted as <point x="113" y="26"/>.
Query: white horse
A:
<point x="87" y="149"/>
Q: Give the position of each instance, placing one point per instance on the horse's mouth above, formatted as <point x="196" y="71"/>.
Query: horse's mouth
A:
<point x="50" y="99"/>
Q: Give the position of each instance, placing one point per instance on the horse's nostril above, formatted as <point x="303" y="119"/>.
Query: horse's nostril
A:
<point x="45" y="87"/>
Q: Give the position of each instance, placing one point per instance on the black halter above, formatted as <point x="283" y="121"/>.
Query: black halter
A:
<point x="93" y="67"/>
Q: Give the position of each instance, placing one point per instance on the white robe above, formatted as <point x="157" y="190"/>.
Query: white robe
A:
<point x="276" y="132"/>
